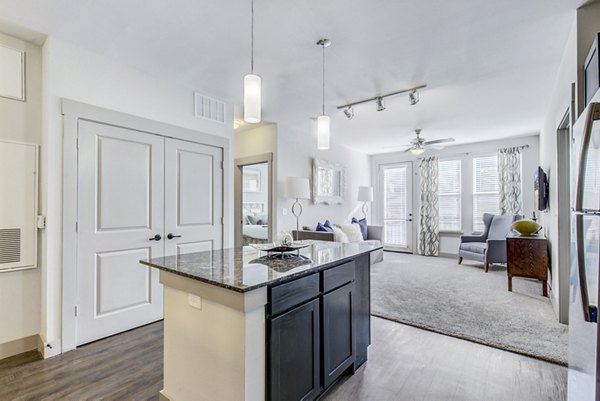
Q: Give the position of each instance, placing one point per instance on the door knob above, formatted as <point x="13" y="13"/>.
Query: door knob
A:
<point x="157" y="237"/>
<point x="171" y="236"/>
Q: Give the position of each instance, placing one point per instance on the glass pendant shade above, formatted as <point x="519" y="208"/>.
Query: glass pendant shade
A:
<point x="323" y="132"/>
<point x="417" y="151"/>
<point x="252" y="98"/>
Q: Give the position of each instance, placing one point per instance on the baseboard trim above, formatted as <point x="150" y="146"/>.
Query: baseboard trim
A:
<point x="162" y="396"/>
<point x="20" y="346"/>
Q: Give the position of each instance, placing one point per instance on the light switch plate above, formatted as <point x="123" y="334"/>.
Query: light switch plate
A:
<point x="195" y="301"/>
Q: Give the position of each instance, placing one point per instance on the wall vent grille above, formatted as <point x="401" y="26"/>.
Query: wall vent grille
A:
<point x="10" y="245"/>
<point x="209" y="108"/>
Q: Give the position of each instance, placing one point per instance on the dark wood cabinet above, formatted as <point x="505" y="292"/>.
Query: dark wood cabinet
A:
<point x="338" y="330"/>
<point x="294" y="354"/>
<point x="527" y="256"/>
<point x="318" y="327"/>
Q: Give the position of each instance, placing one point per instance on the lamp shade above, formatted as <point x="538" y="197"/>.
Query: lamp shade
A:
<point x="296" y="187"/>
<point x="365" y="194"/>
<point x="323" y="132"/>
<point x="252" y="98"/>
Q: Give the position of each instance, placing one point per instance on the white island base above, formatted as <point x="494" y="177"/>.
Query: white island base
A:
<point x="214" y="350"/>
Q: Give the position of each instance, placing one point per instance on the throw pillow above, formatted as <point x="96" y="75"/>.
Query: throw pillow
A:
<point x="362" y="223"/>
<point x="325" y="227"/>
<point x="339" y="235"/>
<point x="321" y="228"/>
<point x="252" y="220"/>
<point x="328" y="226"/>
<point x="353" y="232"/>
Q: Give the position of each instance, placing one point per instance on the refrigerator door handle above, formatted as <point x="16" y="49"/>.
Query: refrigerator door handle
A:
<point x="590" y="312"/>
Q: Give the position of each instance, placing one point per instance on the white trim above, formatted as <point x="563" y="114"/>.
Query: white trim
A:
<point x="73" y="112"/>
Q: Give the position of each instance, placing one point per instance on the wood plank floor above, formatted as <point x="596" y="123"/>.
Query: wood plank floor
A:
<point x="405" y="363"/>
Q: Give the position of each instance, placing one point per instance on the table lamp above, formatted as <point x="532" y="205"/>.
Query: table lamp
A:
<point x="297" y="188"/>
<point x="365" y="194"/>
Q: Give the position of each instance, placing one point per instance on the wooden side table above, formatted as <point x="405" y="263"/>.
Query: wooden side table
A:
<point x="527" y="256"/>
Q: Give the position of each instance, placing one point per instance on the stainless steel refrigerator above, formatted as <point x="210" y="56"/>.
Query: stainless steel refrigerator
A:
<point x="584" y="379"/>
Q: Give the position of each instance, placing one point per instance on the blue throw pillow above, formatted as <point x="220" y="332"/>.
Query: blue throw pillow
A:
<point x="325" y="227"/>
<point x="362" y="223"/>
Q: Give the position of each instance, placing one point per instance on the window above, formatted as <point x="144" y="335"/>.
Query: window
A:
<point x="449" y="189"/>
<point x="486" y="193"/>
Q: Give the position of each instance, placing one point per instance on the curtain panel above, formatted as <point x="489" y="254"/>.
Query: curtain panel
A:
<point x="509" y="180"/>
<point x="429" y="235"/>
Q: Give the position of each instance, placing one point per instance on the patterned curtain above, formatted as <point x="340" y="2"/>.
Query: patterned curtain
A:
<point x="429" y="236"/>
<point x="509" y="171"/>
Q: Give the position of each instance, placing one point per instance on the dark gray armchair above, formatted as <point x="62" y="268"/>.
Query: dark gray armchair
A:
<point x="490" y="246"/>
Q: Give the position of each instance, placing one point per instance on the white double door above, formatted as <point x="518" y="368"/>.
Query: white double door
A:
<point x="140" y="196"/>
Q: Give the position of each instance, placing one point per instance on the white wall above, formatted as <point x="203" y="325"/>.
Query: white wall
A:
<point x="586" y="23"/>
<point x="73" y="73"/>
<point x="296" y="150"/>
<point x="449" y="242"/>
<point x="22" y="122"/>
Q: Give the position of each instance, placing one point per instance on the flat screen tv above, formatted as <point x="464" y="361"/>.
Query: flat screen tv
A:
<point x="540" y="188"/>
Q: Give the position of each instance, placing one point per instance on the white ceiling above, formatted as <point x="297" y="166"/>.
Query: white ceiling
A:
<point x="489" y="65"/>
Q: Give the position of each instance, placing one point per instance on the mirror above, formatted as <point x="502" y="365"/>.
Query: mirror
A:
<point x="328" y="182"/>
<point x="256" y="197"/>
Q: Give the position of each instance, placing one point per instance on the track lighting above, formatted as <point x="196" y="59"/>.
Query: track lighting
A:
<point x="349" y="112"/>
<point x="413" y="97"/>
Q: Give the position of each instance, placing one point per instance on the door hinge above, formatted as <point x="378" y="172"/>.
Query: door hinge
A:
<point x="75" y="310"/>
<point x="222" y="220"/>
<point x="222" y="165"/>
<point x="76" y="227"/>
<point x="77" y="143"/>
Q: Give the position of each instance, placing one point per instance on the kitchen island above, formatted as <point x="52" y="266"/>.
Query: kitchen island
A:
<point x="240" y="325"/>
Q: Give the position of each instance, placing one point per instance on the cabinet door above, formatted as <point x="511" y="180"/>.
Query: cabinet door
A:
<point x="362" y="309"/>
<point x="338" y="333"/>
<point x="294" y="351"/>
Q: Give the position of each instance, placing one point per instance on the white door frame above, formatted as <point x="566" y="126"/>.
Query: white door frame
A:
<point x="237" y="192"/>
<point x="73" y="112"/>
<point x="410" y="199"/>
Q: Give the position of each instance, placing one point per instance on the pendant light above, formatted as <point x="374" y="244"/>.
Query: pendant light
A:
<point x="323" y="122"/>
<point x="252" y="86"/>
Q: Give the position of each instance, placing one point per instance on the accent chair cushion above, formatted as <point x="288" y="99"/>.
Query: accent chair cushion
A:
<point x="362" y="223"/>
<point x="475" y="247"/>
<point x="500" y="227"/>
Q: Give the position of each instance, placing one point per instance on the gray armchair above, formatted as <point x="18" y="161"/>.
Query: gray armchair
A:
<point x="490" y="246"/>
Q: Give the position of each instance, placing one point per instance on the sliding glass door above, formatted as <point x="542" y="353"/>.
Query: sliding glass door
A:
<point x="396" y="207"/>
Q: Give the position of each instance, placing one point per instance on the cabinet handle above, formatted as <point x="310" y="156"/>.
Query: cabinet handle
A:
<point x="157" y="237"/>
<point x="171" y="236"/>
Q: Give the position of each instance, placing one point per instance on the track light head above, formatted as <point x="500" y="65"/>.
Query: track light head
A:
<point x="380" y="105"/>
<point x="413" y="97"/>
<point x="349" y="112"/>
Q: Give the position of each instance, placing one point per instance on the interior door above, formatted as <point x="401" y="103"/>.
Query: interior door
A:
<point x="396" y="185"/>
<point x="120" y="221"/>
<point x="193" y="197"/>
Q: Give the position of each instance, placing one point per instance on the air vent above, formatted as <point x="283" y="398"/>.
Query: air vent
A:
<point x="209" y="108"/>
<point x="10" y="245"/>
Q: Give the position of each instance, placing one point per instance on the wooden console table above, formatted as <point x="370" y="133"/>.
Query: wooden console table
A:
<point x="527" y="256"/>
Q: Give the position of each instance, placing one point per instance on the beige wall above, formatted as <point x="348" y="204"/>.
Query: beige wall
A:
<point x="21" y="121"/>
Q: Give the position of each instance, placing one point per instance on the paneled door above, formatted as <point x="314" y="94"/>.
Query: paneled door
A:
<point x="395" y="181"/>
<point x="193" y="197"/>
<point x="120" y="221"/>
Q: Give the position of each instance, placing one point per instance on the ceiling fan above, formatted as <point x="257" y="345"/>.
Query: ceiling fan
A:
<point x="419" y="144"/>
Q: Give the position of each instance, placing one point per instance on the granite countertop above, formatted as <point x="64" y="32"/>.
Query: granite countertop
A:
<point x="245" y="269"/>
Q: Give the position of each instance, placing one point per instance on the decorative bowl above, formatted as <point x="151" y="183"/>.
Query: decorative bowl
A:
<point x="526" y="227"/>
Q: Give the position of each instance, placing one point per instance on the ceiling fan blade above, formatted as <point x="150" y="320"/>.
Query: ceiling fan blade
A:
<point x="408" y="149"/>
<point x="439" y="141"/>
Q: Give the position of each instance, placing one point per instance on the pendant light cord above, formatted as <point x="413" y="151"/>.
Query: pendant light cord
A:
<point x="252" y="38"/>
<point x="323" y="46"/>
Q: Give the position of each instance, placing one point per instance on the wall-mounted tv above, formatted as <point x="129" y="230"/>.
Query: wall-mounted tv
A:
<point x="540" y="189"/>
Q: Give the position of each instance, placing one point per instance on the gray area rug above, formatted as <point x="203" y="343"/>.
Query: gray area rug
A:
<point x="462" y="301"/>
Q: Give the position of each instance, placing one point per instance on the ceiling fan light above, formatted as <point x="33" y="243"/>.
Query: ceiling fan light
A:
<point x="417" y="151"/>
<point x="252" y="98"/>
<point x="413" y="97"/>
<point x="323" y="125"/>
